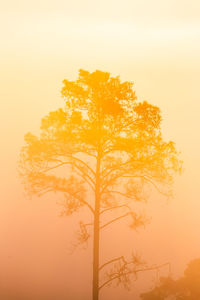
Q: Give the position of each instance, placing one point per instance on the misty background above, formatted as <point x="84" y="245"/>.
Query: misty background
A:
<point x="153" y="43"/>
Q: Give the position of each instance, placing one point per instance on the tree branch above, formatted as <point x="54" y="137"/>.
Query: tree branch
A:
<point x="114" y="168"/>
<point x="147" y="179"/>
<point x="57" y="166"/>
<point x="114" y="207"/>
<point x="78" y="160"/>
<point x="85" y="164"/>
<point x="111" y="261"/>
<point x="119" y="193"/>
<point x="144" y="177"/>
<point x="41" y="193"/>
<point x="84" y="175"/>
<point x="116" y="219"/>
<point x="118" y="276"/>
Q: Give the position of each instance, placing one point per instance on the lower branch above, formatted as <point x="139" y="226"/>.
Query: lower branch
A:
<point x="114" y="207"/>
<point x="111" y="261"/>
<point x="116" y="219"/>
<point x="129" y="272"/>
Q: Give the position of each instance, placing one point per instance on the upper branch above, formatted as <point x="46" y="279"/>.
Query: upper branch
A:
<point x="84" y="174"/>
<point x="84" y="163"/>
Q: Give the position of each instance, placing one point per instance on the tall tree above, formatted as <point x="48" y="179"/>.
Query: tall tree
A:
<point x="110" y="152"/>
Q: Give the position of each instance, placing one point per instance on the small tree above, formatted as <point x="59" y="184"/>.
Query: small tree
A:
<point x="185" y="288"/>
<point x="109" y="150"/>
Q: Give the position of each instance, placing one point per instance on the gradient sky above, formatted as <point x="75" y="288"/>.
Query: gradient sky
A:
<point x="154" y="43"/>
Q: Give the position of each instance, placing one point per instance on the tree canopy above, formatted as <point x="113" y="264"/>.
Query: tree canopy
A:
<point x="101" y="114"/>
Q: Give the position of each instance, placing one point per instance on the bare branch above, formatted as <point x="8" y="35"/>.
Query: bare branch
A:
<point x="116" y="219"/>
<point x="134" y="271"/>
<point x="111" y="261"/>
<point x="119" y="193"/>
<point x="114" y="207"/>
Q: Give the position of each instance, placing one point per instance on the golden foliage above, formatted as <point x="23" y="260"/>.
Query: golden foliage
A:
<point x="101" y="117"/>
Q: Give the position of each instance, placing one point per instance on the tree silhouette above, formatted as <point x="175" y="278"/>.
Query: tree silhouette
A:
<point x="110" y="153"/>
<point x="185" y="288"/>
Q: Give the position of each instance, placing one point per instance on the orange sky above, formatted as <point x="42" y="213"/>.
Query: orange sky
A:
<point x="154" y="43"/>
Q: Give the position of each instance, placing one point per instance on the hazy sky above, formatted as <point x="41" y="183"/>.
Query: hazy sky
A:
<point x="154" y="43"/>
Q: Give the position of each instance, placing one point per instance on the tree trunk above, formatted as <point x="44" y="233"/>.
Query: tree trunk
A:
<point x="95" y="288"/>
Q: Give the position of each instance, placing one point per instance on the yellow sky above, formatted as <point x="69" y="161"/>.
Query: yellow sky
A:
<point x="154" y="43"/>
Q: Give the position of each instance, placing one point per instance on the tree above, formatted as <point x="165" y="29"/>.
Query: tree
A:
<point x="185" y="288"/>
<point x="110" y="153"/>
